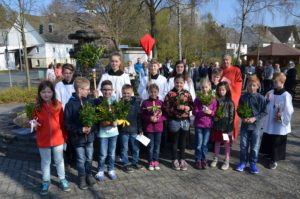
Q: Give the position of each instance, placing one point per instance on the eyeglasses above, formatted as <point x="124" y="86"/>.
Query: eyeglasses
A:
<point x="106" y="89"/>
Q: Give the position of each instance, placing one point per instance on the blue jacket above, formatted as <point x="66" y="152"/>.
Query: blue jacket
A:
<point x="258" y="105"/>
<point x="73" y="124"/>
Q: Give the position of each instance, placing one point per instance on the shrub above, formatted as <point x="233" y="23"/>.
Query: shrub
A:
<point x="18" y="94"/>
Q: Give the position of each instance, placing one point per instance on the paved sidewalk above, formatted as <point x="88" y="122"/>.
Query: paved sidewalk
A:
<point x="21" y="178"/>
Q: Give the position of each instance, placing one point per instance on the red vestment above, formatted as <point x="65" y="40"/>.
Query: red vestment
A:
<point x="234" y="75"/>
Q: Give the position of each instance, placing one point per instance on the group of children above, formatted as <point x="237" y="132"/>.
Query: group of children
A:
<point x="159" y="108"/>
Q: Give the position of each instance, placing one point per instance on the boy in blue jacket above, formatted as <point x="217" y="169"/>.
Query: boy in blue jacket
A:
<point x="81" y="137"/>
<point x="250" y="129"/>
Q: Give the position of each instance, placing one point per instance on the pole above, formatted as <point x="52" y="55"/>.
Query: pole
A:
<point x="7" y="57"/>
<point x="20" y="56"/>
<point x="94" y="74"/>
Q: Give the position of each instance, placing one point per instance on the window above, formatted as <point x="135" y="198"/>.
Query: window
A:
<point x="41" y="29"/>
<point x="54" y="61"/>
<point x="53" y="49"/>
<point x="37" y="49"/>
<point x="50" y="28"/>
<point x="67" y="49"/>
<point x="38" y="62"/>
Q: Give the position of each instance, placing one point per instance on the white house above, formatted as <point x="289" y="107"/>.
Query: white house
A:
<point x="41" y="51"/>
<point x="232" y="42"/>
<point x="133" y="53"/>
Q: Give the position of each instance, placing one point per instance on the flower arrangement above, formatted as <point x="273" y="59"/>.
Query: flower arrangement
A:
<point x="88" y="115"/>
<point x="180" y="99"/>
<point x="244" y="110"/>
<point x="106" y="112"/>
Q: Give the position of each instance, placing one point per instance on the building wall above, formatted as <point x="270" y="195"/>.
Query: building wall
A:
<point x="133" y="54"/>
<point x="233" y="48"/>
<point x="42" y="56"/>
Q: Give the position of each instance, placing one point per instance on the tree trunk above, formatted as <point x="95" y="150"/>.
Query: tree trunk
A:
<point x="179" y="32"/>
<point x="241" y="36"/>
<point x="153" y="29"/>
<point x="25" y="56"/>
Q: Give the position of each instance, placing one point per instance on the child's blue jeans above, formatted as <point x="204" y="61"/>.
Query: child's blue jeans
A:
<point x="201" y="140"/>
<point x="126" y="139"/>
<point x="84" y="158"/>
<point x="107" y="149"/>
<point x="249" y="139"/>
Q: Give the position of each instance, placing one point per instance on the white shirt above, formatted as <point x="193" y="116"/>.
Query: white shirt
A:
<point x="284" y="102"/>
<point x="117" y="82"/>
<point x="161" y="82"/>
<point x="188" y="85"/>
<point x="63" y="92"/>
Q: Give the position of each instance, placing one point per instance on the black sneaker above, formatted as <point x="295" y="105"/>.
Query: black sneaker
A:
<point x="90" y="180"/>
<point x="127" y="169"/>
<point x="82" y="183"/>
<point x="136" y="166"/>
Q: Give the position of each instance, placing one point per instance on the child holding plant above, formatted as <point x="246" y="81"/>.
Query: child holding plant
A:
<point x="223" y="124"/>
<point x="81" y="130"/>
<point x="108" y="132"/>
<point x="128" y="131"/>
<point x="116" y="76"/>
<point x="178" y="104"/>
<point x="205" y="106"/>
<point x="153" y="121"/>
<point x="50" y="134"/>
<point x="251" y="109"/>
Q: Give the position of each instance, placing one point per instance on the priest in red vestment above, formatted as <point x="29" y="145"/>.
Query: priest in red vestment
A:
<point x="233" y="75"/>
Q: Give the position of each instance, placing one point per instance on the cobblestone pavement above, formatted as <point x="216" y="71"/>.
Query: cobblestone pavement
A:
<point x="21" y="176"/>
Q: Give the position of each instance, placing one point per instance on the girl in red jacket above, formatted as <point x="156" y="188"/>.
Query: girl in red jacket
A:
<point x="50" y="135"/>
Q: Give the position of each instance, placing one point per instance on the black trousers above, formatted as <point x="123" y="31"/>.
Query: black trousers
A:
<point x="178" y="142"/>
<point x="274" y="146"/>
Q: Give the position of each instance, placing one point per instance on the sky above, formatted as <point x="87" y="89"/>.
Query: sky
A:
<point x="223" y="12"/>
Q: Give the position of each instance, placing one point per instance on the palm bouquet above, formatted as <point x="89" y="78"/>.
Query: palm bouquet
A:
<point x="88" y="115"/>
<point x="244" y="110"/>
<point x="206" y="99"/>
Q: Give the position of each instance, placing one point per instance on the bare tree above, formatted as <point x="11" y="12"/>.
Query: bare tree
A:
<point x="248" y="7"/>
<point x="154" y="7"/>
<point x="110" y="18"/>
<point x="21" y="8"/>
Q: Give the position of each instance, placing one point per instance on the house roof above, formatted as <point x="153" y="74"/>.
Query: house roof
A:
<point x="283" y="33"/>
<point x="255" y="35"/>
<point x="276" y="49"/>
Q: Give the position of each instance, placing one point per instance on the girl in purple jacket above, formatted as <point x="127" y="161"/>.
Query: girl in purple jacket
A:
<point x="205" y="107"/>
<point x="152" y="122"/>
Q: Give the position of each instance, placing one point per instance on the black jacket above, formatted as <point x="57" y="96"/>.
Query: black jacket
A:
<point x="73" y="124"/>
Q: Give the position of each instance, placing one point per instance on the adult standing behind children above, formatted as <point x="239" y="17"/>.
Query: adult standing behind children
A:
<point x="116" y="75"/>
<point x="278" y="121"/>
<point x="50" y="74"/>
<point x="129" y="69"/>
<point x="138" y="66"/>
<point x="233" y="74"/>
<point x="58" y="71"/>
